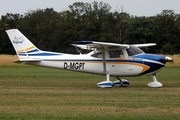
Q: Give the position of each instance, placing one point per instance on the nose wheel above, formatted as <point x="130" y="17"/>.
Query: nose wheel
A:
<point x="155" y="83"/>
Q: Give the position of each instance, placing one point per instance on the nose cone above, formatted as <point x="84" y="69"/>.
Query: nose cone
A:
<point x="168" y="59"/>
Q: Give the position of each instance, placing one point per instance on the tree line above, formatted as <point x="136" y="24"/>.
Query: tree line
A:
<point x="54" y="31"/>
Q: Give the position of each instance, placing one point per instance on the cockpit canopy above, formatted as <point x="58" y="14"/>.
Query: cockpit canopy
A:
<point x="132" y="50"/>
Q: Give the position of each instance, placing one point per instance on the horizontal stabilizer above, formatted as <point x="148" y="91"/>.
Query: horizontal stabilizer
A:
<point x="27" y="60"/>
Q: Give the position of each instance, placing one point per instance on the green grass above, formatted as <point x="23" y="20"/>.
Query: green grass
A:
<point x="42" y="93"/>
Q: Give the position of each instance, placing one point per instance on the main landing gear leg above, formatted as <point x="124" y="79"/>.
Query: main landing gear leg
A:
<point x="107" y="83"/>
<point x="119" y="85"/>
<point x="121" y="82"/>
<point x="155" y="83"/>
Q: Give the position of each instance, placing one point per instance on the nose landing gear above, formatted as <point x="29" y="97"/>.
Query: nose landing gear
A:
<point x="155" y="83"/>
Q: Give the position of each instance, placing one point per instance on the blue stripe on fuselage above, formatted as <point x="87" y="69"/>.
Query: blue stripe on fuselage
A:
<point x="22" y="54"/>
<point x="43" y="54"/>
<point x="158" y="58"/>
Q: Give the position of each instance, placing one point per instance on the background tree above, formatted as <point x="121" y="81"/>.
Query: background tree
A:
<point x="167" y="32"/>
<point x="90" y="20"/>
<point x="40" y="26"/>
<point x="8" y="21"/>
<point x="54" y="31"/>
<point x="120" y="25"/>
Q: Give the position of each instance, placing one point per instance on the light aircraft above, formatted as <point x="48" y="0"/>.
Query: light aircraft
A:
<point x="110" y="59"/>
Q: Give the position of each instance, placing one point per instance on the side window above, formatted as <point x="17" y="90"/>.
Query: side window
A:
<point x="98" y="55"/>
<point x="116" y="54"/>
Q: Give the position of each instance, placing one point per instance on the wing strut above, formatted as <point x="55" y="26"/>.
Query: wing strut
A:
<point x="107" y="83"/>
<point x="104" y="62"/>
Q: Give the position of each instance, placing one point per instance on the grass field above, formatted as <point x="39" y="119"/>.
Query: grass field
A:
<point x="38" y="93"/>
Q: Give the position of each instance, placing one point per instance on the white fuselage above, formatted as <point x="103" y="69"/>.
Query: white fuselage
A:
<point x="89" y="64"/>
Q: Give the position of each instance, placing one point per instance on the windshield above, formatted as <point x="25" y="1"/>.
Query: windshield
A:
<point x="133" y="50"/>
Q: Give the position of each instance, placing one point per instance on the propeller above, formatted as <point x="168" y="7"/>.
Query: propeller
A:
<point x="168" y="59"/>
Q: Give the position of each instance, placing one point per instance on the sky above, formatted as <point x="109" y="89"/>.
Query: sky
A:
<point x="132" y="7"/>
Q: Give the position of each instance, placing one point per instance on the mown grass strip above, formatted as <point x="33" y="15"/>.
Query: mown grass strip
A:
<point x="38" y="93"/>
<point x="43" y="93"/>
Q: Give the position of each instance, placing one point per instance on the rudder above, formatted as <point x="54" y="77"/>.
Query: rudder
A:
<point x="20" y="43"/>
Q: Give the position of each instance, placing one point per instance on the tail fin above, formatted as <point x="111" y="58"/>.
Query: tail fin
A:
<point x="21" y="44"/>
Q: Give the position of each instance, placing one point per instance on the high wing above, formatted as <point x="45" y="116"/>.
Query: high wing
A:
<point x="92" y="45"/>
